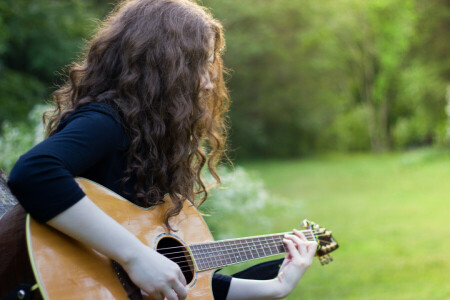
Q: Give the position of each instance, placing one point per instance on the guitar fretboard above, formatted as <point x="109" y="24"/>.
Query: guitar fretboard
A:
<point x="223" y="253"/>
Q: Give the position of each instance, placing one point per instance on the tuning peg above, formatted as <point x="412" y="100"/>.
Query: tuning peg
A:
<point x="323" y="260"/>
<point x="330" y="257"/>
<point x="305" y="223"/>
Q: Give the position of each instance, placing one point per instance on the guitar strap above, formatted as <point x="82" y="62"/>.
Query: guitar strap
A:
<point x="16" y="273"/>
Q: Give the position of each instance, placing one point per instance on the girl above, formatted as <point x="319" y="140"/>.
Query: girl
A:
<point x="142" y="114"/>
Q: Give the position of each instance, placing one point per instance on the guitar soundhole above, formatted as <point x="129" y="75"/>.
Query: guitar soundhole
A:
<point x="177" y="252"/>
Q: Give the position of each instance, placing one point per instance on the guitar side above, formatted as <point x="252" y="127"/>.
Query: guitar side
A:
<point x="66" y="269"/>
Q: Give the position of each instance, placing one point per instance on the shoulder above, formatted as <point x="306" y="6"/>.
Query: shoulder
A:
<point x="96" y="123"/>
<point x="101" y="114"/>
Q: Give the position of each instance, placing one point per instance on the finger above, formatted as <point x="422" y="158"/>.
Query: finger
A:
<point x="302" y="249"/>
<point x="300" y="244"/>
<point x="296" y="239"/>
<point x="182" y="278"/>
<point x="170" y="294"/>
<point x="291" y="247"/>
<point x="300" y="234"/>
<point x="154" y="295"/>
<point x="311" y="248"/>
<point x="180" y="290"/>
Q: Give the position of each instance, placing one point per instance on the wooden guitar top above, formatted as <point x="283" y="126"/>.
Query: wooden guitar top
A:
<point x="66" y="269"/>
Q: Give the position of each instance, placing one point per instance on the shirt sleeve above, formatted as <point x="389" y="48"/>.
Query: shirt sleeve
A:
<point x="220" y="286"/>
<point x="43" y="178"/>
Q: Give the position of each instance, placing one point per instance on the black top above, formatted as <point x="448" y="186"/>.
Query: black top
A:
<point x="90" y="143"/>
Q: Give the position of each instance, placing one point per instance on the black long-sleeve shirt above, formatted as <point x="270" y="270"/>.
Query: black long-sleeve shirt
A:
<point x="90" y="143"/>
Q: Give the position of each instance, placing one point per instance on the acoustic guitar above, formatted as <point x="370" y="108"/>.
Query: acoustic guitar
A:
<point x="66" y="269"/>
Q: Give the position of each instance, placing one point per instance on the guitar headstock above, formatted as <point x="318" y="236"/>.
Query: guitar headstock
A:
<point x="324" y="239"/>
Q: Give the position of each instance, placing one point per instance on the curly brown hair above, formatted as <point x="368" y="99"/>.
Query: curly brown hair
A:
<point x="147" y="61"/>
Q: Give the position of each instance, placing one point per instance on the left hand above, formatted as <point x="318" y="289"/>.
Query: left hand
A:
<point x="298" y="259"/>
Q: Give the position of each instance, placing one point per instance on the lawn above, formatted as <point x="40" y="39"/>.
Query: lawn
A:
<point x="389" y="213"/>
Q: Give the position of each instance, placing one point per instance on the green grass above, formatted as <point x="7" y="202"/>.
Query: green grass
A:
<point x="389" y="213"/>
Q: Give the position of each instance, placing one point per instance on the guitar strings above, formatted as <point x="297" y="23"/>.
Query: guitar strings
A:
<point x="190" y="267"/>
<point x="306" y="232"/>
<point x="189" y="262"/>
<point x="188" y="259"/>
<point x="243" y="248"/>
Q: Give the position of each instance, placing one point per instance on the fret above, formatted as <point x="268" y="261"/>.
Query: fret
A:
<point x="211" y="255"/>
<point x="228" y="253"/>
<point x="248" y="251"/>
<point x="267" y="245"/>
<point x="275" y="242"/>
<point x="258" y="248"/>
<point x="253" y="250"/>
<point x="239" y="250"/>
<point x="262" y="248"/>
<point x="207" y="256"/>
<point x="310" y="235"/>
<point x="231" y="253"/>
<point x="243" y="250"/>
<point x="215" y="255"/>
<point x="281" y="246"/>
<point x="202" y="257"/>
<point x="236" y="252"/>
<point x="222" y="253"/>
<point x="198" y="256"/>
<point x="272" y="245"/>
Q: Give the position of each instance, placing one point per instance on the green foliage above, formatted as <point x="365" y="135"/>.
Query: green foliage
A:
<point x="17" y="139"/>
<point x="307" y="75"/>
<point x="37" y="39"/>
<point x="349" y="131"/>
<point x="19" y="91"/>
<point x="420" y="109"/>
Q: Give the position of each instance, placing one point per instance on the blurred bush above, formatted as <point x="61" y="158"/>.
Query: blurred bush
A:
<point x="236" y="204"/>
<point x="37" y="39"/>
<point x="349" y="131"/>
<point x="17" y="139"/>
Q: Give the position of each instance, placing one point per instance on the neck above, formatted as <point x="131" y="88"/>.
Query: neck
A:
<point x="223" y="253"/>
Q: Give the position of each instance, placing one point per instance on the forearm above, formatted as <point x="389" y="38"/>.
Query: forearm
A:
<point x="88" y="224"/>
<point x="254" y="289"/>
<point x="298" y="259"/>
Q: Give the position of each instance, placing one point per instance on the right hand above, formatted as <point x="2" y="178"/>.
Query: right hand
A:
<point x="298" y="259"/>
<point x="156" y="275"/>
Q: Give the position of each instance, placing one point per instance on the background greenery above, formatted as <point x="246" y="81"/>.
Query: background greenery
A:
<point x="307" y="75"/>
<point x="389" y="213"/>
<point x="369" y="80"/>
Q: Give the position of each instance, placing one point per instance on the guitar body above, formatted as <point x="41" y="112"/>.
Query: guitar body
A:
<point x="66" y="269"/>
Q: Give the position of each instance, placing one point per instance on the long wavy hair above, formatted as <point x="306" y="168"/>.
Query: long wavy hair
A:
<point x="147" y="61"/>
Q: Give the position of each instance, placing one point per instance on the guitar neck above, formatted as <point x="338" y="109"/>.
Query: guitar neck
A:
<point x="223" y="253"/>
